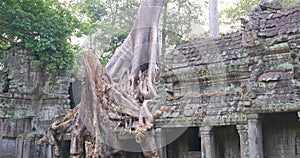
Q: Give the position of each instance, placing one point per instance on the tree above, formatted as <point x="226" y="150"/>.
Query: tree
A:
<point x="213" y="18"/>
<point x="179" y="17"/>
<point x="109" y="32"/>
<point x="112" y="99"/>
<point x="231" y="16"/>
<point x="42" y="28"/>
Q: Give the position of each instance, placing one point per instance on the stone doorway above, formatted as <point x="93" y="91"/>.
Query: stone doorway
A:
<point x="227" y="142"/>
<point x="281" y="135"/>
<point x="8" y="147"/>
<point x="188" y="145"/>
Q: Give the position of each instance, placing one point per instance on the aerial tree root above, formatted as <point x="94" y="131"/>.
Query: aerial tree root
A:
<point x="105" y="110"/>
<point x="116" y="100"/>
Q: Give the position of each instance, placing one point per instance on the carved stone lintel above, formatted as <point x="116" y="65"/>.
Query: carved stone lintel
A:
<point x="205" y="130"/>
<point x="254" y="118"/>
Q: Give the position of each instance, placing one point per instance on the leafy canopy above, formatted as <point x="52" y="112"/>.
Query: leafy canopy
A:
<point x="113" y="24"/>
<point x="42" y="28"/>
<point x="109" y="21"/>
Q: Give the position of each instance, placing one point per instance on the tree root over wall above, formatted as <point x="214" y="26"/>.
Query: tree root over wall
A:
<point x="116" y="100"/>
<point x="104" y="109"/>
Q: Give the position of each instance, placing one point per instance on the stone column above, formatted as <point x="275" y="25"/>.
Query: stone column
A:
<point x="244" y="144"/>
<point x="255" y="136"/>
<point x="1" y="137"/>
<point x="19" y="148"/>
<point x="160" y="139"/>
<point x="207" y="142"/>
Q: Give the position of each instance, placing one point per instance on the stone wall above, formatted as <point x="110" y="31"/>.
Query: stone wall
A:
<point x="246" y="82"/>
<point x="206" y="76"/>
<point x="274" y="59"/>
<point x="234" y="86"/>
<point x="29" y="102"/>
<point x="255" y="70"/>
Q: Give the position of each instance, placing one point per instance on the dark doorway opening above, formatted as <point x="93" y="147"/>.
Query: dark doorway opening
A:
<point x="281" y="133"/>
<point x="71" y="96"/>
<point x="186" y="145"/>
<point x="227" y="142"/>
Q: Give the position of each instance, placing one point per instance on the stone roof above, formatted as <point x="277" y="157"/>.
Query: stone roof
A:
<point x="271" y="23"/>
<point x="254" y="70"/>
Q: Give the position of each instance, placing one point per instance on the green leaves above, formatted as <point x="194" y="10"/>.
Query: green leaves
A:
<point x="110" y="23"/>
<point x="43" y="28"/>
<point x="113" y="26"/>
<point x="93" y="9"/>
<point x="231" y="16"/>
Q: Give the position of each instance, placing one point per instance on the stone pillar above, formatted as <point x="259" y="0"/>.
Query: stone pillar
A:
<point x="160" y="139"/>
<point x="244" y="144"/>
<point x="207" y="142"/>
<point x="19" y="148"/>
<point x="255" y="136"/>
<point x="1" y="137"/>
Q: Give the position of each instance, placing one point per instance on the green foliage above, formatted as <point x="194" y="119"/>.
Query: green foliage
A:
<point x="114" y="25"/>
<point x="43" y="28"/>
<point x="95" y="10"/>
<point x="118" y="26"/>
<point x="231" y="16"/>
<point x="109" y="30"/>
<point x="180" y="16"/>
<point x="104" y="59"/>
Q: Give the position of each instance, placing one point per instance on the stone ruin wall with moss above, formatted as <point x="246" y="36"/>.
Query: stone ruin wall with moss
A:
<point x="245" y="82"/>
<point x="29" y="102"/>
<point x="216" y="82"/>
<point x="254" y="70"/>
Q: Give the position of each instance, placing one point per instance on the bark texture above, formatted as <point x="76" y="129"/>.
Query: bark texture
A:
<point x="213" y="18"/>
<point x="115" y="100"/>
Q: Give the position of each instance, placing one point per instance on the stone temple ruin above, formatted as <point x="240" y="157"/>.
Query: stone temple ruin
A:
<point x="232" y="96"/>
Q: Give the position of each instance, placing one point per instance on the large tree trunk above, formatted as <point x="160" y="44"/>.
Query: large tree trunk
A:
<point x="116" y="100"/>
<point x="140" y="51"/>
<point x="213" y="18"/>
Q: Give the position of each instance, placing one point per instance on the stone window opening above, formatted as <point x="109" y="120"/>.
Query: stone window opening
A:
<point x="6" y="82"/>
<point x="176" y="88"/>
<point x="71" y="97"/>
<point x="194" y="143"/>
